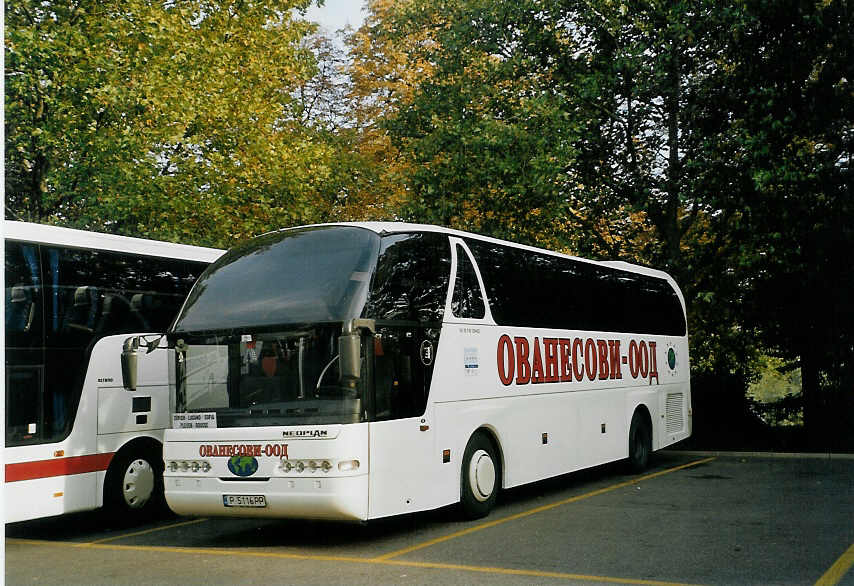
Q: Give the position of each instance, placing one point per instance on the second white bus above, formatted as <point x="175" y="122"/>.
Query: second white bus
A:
<point x="75" y="438"/>
<point x="357" y="371"/>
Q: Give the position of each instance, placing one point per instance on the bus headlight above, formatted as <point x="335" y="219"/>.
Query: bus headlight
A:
<point x="300" y="466"/>
<point x="195" y="466"/>
<point x="348" y="465"/>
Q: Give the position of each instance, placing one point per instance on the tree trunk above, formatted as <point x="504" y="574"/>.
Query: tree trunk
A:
<point x="814" y="428"/>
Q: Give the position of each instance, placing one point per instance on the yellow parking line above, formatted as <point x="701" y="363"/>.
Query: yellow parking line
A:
<point x="191" y="550"/>
<point x="346" y="559"/>
<point x="837" y="571"/>
<point x="145" y="532"/>
<point x="529" y="573"/>
<point x="536" y="510"/>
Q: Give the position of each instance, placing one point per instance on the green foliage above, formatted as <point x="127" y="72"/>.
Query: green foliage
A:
<point x="788" y="142"/>
<point x="573" y="126"/>
<point x="712" y="141"/>
<point x="167" y="120"/>
<point x="775" y="381"/>
<point x="567" y="124"/>
<point x="491" y="133"/>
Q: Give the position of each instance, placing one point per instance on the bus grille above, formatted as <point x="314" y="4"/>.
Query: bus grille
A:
<point x="675" y="413"/>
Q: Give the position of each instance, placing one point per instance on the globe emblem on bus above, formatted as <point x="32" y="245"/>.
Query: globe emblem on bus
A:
<point x="243" y="465"/>
<point x="671" y="358"/>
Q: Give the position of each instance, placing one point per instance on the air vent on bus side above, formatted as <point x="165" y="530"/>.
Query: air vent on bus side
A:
<point x="674" y="413"/>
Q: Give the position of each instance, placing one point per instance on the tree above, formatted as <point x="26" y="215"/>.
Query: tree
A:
<point x="477" y="137"/>
<point x="789" y="136"/>
<point x="168" y="120"/>
<point x="384" y="76"/>
<point x="634" y="132"/>
<point x="543" y="121"/>
<point x="578" y="126"/>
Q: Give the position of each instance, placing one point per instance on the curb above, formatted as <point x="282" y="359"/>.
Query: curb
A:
<point x="772" y="455"/>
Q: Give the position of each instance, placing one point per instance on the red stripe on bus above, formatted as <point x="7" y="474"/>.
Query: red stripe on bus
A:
<point x="57" y="467"/>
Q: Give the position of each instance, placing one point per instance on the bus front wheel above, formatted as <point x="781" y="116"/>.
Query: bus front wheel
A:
<point x="133" y="488"/>
<point x="640" y="443"/>
<point x="480" y="477"/>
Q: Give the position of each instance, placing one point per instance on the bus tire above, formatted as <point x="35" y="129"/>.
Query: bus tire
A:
<point x="480" y="478"/>
<point x="133" y="487"/>
<point x="640" y="442"/>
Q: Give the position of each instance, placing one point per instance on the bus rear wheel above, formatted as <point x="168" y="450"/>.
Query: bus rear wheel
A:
<point x="640" y="443"/>
<point x="133" y="488"/>
<point x="480" y="477"/>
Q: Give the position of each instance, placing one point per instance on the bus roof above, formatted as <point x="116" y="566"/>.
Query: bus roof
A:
<point x="43" y="234"/>
<point x="399" y="227"/>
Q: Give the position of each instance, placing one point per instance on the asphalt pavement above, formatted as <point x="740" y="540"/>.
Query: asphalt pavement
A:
<point x="692" y="518"/>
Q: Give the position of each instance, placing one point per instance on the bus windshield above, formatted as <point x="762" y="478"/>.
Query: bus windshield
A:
<point x="302" y="276"/>
<point x="277" y="378"/>
<point x="258" y="340"/>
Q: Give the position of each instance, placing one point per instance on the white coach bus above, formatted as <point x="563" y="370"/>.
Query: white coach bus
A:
<point x="75" y="439"/>
<point x="357" y="371"/>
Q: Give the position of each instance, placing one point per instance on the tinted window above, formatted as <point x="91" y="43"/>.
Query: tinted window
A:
<point x="296" y="276"/>
<point x="24" y="408"/>
<point x="467" y="301"/>
<point x="91" y="294"/>
<point x="532" y="289"/>
<point x="401" y="377"/>
<point x="56" y="316"/>
<point x="657" y="300"/>
<point x="411" y="279"/>
<point x="23" y="317"/>
<point x="24" y="344"/>
<point x="535" y="290"/>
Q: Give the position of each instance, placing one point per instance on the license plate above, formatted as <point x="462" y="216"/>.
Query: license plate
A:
<point x="244" y="500"/>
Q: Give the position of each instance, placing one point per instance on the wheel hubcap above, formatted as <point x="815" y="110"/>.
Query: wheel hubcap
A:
<point x="138" y="483"/>
<point x="481" y="475"/>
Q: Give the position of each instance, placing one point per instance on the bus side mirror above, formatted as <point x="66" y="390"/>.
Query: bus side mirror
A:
<point x="350" y="356"/>
<point x="350" y="349"/>
<point x="130" y="359"/>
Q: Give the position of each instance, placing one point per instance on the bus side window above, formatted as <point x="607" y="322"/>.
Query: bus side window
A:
<point x="467" y="300"/>
<point x="23" y="296"/>
<point x="116" y="316"/>
<point x="411" y="279"/>
<point x="401" y="380"/>
<point x="20" y="309"/>
<point x="140" y="307"/>
<point x="24" y="339"/>
<point x="82" y="315"/>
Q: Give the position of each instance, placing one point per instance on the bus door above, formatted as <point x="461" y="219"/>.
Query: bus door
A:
<point x="402" y="439"/>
